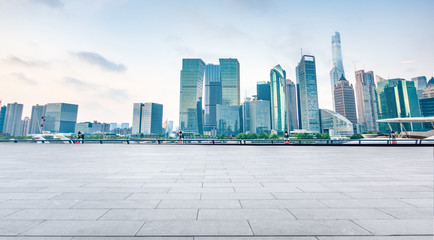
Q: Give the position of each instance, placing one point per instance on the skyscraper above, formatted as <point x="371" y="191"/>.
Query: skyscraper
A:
<point x="291" y="105"/>
<point x="278" y="99"/>
<point x="366" y="100"/>
<point x="345" y="103"/>
<point x="191" y="90"/>
<point x="308" y="94"/>
<point x="397" y="98"/>
<point x="229" y="121"/>
<point x="213" y="96"/>
<point x="420" y="84"/>
<point x="25" y="126"/>
<point x="335" y="124"/>
<point x="263" y="91"/>
<point x="38" y="111"/>
<point x="338" y="67"/>
<point x="2" y="117"/>
<point x="12" y="124"/>
<point x="256" y="116"/>
<point x="230" y="81"/>
<point x="147" y="118"/>
<point x="60" y="117"/>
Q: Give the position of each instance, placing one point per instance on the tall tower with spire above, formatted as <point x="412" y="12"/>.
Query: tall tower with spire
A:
<point x="338" y="68"/>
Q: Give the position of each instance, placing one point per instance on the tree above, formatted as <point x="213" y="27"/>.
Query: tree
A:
<point x="263" y="135"/>
<point x="252" y="136"/>
<point x="356" y="136"/>
<point x="241" y="136"/>
<point x="273" y="136"/>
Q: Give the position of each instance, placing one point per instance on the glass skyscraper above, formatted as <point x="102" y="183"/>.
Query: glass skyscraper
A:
<point x="345" y="102"/>
<point x="213" y="96"/>
<point x="2" y="117"/>
<point x="229" y="120"/>
<point x="278" y="99"/>
<point x="335" y="124"/>
<point x="397" y="98"/>
<point x="38" y="111"/>
<point x="263" y="91"/>
<point x="191" y="90"/>
<point x="308" y="94"/>
<point x="420" y="84"/>
<point x="60" y="117"/>
<point x="291" y="105"/>
<point x="256" y="116"/>
<point x="366" y="100"/>
<point x="338" y="68"/>
<point x="12" y="123"/>
<point x="147" y="118"/>
<point x="230" y="81"/>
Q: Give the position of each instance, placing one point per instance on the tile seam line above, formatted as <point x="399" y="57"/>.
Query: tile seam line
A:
<point x="99" y="236"/>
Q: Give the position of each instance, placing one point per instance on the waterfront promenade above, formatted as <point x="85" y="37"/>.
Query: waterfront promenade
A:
<point x="203" y="192"/>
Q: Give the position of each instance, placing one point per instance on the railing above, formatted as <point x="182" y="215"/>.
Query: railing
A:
<point x="346" y="142"/>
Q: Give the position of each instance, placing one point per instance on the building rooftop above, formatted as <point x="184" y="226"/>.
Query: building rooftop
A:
<point x="117" y="191"/>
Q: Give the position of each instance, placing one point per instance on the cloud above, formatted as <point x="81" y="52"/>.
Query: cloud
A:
<point x="98" y="90"/>
<point x="50" y="3"/>
<point x="21" y="77"/>
<point x="407" y="61"/>
<point x="103" y="63"/>
<point x="18" y="61"/>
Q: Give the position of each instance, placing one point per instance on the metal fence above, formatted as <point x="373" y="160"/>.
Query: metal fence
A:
<point x="319" y="142"/>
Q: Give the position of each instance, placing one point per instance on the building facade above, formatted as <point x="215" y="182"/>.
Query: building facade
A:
<point x="60" y="117"/>
<point x="38" y="111"/>
<point x="212" y="95"/>
<point x="420" y="84"/>
<point x="397" y="98"/>
<point x="147" y="118"/>
<point x="2" y="117"/>
<point x="25" y="126"/>
<point x="335" y="124"/>
<point x="229" y="121"/>
<point x="256" y="116"/>
<point x="12" y="123"/>
<point x="307" y="94"/>
<point x="345" y="103"/>
<point x="366" y="100"/>
<point x="190" y="93"/>
<point x="230" y="81"/>
<point x="278" y="100"/>
<point x="291" y="105"/>
<point x="263" y="91"/>
<point x="338" y="67"/>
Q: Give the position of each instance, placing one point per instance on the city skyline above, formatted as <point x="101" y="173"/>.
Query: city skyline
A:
<point x="64" y="53"/>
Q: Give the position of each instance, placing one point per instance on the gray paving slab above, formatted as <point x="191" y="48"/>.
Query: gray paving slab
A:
<point x="341" y="213"/>
<point x="409" y="213"/>
<point x="276" y="203"/>
<point x="196" y="204"/>
<point x="57" y="214"/>
<point x="195" y="228"/>
<point x="398" y="227"/>
<point x="240" y="214"/>
<point x="9" y="227"/>
<point x="151" y="214"/>
<point x="117" y="204"/>
<point x="85" y="228"/>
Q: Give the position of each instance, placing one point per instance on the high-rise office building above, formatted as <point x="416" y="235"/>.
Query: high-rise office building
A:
<point x="229" y="121"/>
<point x="25" y="126"/>
<point x="191" y="90"/>
<point x="125" y="125"/>
<point x="345" y="103"/>
<point x="397" y="98"/>
<point x="147" y="118"/>
<point x="230" y="80"/>
<point x="263" y="91"/>
<point x="307" y="94"/>
<point x="428" y="92"/>
<point x="60" y="117"/>
<point x="338" y="67"/>
<point x="213" y="96"/>
<point x="278" y="99"/>
<point x="2" y="117"/>
<point x="256" y="116"/>
<point x="38" y="111"/>
<point x="335" y="124"/>
<point x="420" y="84"/>
<point x="366" y="100"/>
<point x="113" y="126"/>
<point x="291" y="105"/>
<point x="12" y="124"/>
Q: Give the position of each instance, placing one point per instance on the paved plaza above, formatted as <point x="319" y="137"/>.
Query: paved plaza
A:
<point x="117" y="191"/>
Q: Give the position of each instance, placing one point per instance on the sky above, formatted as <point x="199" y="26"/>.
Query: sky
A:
<point x="105" y="55"/>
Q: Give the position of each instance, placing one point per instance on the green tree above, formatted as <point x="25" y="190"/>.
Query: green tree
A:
<point x="241" y="136"/>
<point x="252" y="136"/>
<point x="273" y="136"/>
<point x="356" y="136"/>
<point x="263" y="135"/>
